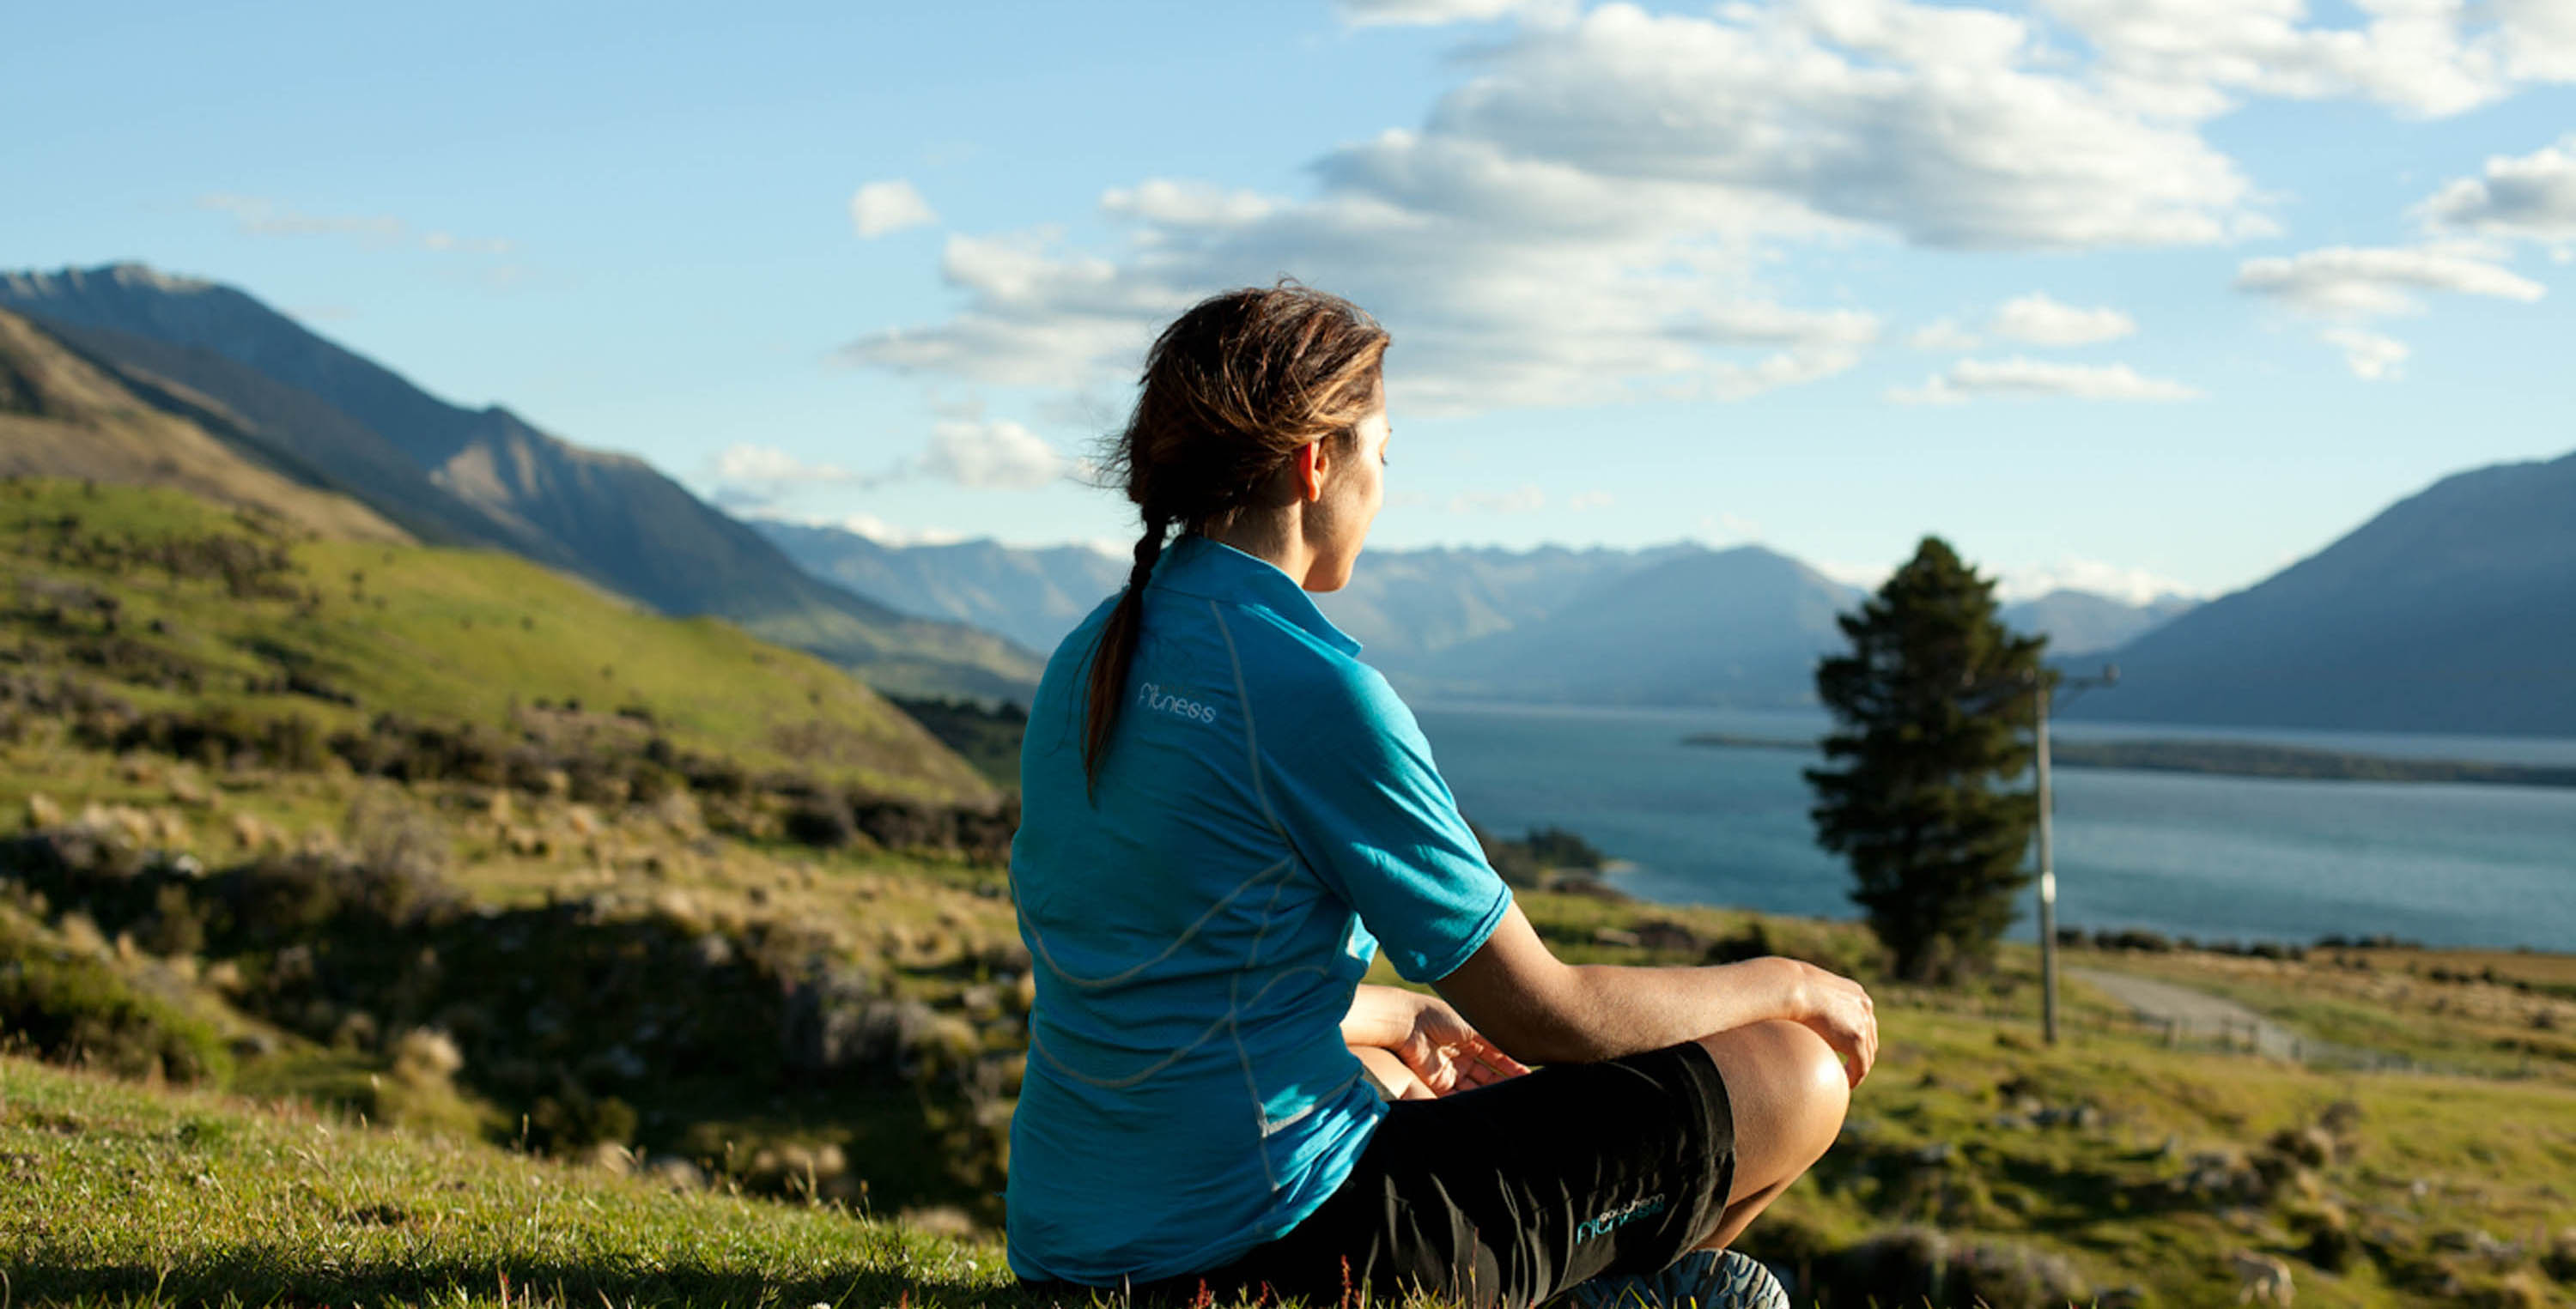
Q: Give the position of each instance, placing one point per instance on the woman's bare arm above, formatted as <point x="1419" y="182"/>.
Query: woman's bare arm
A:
<point x="1540" y="1009"/>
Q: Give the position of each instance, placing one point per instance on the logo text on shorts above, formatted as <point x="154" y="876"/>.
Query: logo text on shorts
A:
<point x="1594" y="1229"/>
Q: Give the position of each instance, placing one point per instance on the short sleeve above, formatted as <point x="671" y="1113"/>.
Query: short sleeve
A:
<point x="1351" y="779"/>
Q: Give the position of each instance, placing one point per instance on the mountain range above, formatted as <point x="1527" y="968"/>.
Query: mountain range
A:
<point x="1671" y="624"/>
<point x="2453" y="610"/>
<point x="322" y="416"/>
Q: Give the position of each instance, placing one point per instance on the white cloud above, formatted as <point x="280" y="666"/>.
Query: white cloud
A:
<point x="2372" y="357"/>
<point x="1432" y="13"/>
<point x="1520" y="500"/>
<point x="1726" y="528"/>
<point x="2035" y="319"/>
<point x="1594" y="213"/>
<point x="884" y="533"/>
<point x="1947" y="127"/>
<point x="744" y="462"/>
<point x="1187" y="204"/>
<point x="2357" y="284"/>
<point x="2530" y="196"/>
<point x="995" y="455"/>
<point x="2126" y="584"/>
<point x="2022" y="377"/>
<point x="2196" y="58"/>
<point x="1032" y="318"/>
<point x="1867" y="577"/>
<point x="2540" y="38"/>
<point x="2372" y="282"/>
<point x="999" y="455"/>
<point x="1943" y="334"/>
<point x="1583" y="500"/>
<point x="888" y="206"/>
<point x="260" y="217"/>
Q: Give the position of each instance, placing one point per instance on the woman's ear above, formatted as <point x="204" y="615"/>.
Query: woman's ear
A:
<point x="1311" y="465"/>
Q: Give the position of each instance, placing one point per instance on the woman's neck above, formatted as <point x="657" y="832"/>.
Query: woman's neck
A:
<point x="1278" y="538"/>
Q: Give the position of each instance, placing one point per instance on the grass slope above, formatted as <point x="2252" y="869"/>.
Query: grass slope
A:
<point x="2105" y="1169"/>
<point x="438" y="635"/>
<point x="112" y="1192"/>
<point x="62" y="417"/>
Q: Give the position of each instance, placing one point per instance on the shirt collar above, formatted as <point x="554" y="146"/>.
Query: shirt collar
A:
<point x="1212" y="570"/>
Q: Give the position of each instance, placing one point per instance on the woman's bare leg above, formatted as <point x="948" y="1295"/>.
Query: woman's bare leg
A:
<point x="1788" y="1093"/>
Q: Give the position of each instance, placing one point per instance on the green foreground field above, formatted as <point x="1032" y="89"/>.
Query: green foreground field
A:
<point x="1979" y="1166"/>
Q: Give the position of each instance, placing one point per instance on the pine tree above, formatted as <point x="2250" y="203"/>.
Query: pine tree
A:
<point x="1934" y="712"/>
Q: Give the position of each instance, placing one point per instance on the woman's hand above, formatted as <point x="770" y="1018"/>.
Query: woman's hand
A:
<point x="1391" y="1075"/>
<point x="1440" y="1051"/>
<point x="1837" y="1009"/>
<point x="1450" y="1056"/>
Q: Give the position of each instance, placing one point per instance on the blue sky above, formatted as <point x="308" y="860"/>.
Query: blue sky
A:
<point x="2130" y="293"/>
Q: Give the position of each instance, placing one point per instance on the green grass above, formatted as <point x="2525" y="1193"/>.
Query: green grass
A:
<point x="109" y="1192"/>
<point x="439" y="635"/>
<point x="2111" y="1191"/>
<point x="114" y="1192"/>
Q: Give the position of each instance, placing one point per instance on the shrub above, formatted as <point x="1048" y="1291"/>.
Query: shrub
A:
<point x="823" y="821"/>
<point x="1919" y="1265"/>
<point x="572" y="1120"/>
<point x="72" y="1008"/>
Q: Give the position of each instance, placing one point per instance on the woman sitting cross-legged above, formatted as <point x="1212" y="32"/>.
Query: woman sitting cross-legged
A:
<point x="1226" y="816"/>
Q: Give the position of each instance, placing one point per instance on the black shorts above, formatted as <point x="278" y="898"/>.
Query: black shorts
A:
<point x="1510" y="1193"/>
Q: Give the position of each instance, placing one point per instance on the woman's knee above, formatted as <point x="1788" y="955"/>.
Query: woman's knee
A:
<point x="1787" y="1088"/>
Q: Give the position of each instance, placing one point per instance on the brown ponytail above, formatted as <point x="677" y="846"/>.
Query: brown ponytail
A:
<point x="1231" y="391"/>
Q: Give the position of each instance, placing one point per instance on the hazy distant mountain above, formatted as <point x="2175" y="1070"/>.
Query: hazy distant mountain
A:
<point x="1409" y="606"/>
<point x="2082" y="623"/>
<point x="484" y="476"/>
<point x="1737" y="627"/>
<point x="1672" y="624"/>
<point x="2453" y="611"/>
<point x="1033" y="596"/>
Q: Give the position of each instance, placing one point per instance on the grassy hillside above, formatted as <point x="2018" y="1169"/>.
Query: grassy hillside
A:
<point x="1980" y="1164"/>
<point x="60" y="416"/>
<point x="1978" y="1167"/>
<point x="175" y="603"/>
<point x="115" y="1193"/>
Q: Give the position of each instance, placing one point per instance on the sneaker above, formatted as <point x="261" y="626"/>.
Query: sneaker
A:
<point x="1702" y="1279"/>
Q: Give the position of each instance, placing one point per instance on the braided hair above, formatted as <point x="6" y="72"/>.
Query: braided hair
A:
<point x="1232" y="390"/>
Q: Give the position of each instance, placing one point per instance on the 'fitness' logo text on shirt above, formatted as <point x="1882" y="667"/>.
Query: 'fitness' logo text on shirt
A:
<point x="1153" y="698"/>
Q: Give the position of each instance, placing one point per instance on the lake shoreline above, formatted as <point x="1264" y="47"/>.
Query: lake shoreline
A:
<point x="2236" y="759"/>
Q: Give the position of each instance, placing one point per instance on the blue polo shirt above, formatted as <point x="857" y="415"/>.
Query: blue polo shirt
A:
<point x="1267" y="817"/>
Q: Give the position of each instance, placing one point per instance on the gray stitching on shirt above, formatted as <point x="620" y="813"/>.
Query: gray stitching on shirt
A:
<point x="1251" y="1088"/>
<point x="1234" y="1008"/>
<point x="1113" y="1083"/>
<point x="1251" y="743"/>
<point x="1037" y="940"/>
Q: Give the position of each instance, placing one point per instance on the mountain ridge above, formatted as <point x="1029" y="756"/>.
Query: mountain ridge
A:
<point x="1442" y="620"/>
<point x="61" y="416"/>
<point x="2453" y="609"/>
<point x="486" y="476"/>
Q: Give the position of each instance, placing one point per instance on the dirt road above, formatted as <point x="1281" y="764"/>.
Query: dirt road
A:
<point x="2197" y="1014"/>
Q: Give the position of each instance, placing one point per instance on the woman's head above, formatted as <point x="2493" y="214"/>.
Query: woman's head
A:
<point x="1233" y="390"/>
<point x="1243" y="396"/>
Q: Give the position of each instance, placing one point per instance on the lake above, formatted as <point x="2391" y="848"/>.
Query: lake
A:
<point x="2216" y="858"/>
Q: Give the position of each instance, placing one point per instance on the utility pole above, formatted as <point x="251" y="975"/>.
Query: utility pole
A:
<point x="2047" y="853"/>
